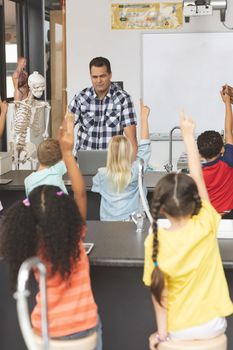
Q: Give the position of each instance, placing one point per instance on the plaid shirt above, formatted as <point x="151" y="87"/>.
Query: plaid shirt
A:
<point x="99" y="120"/>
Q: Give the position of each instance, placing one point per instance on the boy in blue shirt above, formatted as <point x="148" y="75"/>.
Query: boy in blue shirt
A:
<point x="51" y="168"/>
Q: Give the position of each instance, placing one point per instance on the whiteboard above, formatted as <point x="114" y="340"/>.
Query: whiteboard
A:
<point x="186" y="70"/>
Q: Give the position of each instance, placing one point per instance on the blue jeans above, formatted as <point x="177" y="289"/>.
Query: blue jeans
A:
<point x="83" y="334"/>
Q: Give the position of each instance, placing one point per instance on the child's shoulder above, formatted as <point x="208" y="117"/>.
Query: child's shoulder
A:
<point x="30" y="176"/>
<point x="101" y="174"/>
<point x="207" y="214"/>
<point x="227" y="156"/>
<point x="59" y="167"/>
<point x="228" y="148"/>
<point x="102" y="170"/>
<point x="149" y="238"/>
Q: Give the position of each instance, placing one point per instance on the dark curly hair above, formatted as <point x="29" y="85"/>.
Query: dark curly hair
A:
<point x="177" y="196"/>
<point x="50" y="227"/>
<point x="209" y="144"/>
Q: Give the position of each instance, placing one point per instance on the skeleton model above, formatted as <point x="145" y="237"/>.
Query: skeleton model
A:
<point x="29" y="115"/>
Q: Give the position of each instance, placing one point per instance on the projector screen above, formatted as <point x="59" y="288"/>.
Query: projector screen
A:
<point x="186" y="70"/>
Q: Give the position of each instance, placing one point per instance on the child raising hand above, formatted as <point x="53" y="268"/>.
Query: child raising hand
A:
<point x="51" y="225"/>
<point x="183" y="265"/>
<point x="118" y="181"/>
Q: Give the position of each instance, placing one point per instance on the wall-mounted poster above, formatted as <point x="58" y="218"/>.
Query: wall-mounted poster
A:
<point x="166" y="15"/>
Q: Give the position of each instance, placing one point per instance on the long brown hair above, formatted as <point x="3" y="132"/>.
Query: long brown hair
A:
<point x="176" y="195"/>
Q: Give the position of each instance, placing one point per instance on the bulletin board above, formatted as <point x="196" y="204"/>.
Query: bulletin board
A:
<point x="185" y="70"/>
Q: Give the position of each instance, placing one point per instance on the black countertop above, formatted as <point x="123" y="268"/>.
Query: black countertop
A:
<point x="18" y="176"/>
<point x="118" y="244"/>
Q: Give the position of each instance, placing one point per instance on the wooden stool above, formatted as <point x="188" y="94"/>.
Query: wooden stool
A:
<point x="218" y="343"/>
<point x="87" y="343"/>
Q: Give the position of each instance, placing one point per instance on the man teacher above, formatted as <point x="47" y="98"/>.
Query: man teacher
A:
<point x="103" y="110"/>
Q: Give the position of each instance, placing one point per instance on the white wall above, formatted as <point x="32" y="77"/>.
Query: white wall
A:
<point x="89" y="35"/>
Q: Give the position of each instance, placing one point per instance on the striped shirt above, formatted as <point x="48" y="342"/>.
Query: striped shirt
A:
<point x="71" y="305"/>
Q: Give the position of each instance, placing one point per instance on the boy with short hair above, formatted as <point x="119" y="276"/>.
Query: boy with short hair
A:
<point x="218" y="169"/>
<point x="51" y="168"/>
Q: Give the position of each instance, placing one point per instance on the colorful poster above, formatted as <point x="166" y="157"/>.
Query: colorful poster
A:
<point x="168" y="15"/>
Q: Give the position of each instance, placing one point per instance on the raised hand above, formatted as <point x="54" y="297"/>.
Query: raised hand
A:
<point x="153" y="341"/>
<point x="145" y="110"/>
<point x="66" y="133"/>
<point x="228" y="92"/>
<point x="187" y="125"/>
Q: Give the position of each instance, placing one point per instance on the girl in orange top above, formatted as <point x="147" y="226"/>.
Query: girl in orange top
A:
<point x="51" y="224"/>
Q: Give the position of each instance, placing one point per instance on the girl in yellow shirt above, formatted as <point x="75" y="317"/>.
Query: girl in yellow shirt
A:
<point x="182" y="263"/>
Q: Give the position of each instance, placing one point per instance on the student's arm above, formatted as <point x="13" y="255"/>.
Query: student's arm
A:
<point x="187" y="128"/>
<point x="161" y="319"/>
<point x="145" y="111"/>
<point x="130" y="132"/>
<point x="4" y="107"/>
<point x="66" y="140"/>
<point x="96" y="183"/>
<point x="228" y="115"/>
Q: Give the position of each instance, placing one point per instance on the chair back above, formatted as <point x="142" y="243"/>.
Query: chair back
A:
<point x="22" y="304"/>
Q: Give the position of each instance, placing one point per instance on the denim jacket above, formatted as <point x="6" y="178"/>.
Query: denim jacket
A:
<point x="117" y="206"/>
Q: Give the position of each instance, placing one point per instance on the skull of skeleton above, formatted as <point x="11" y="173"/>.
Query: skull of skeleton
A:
<point x="36" y="84"/>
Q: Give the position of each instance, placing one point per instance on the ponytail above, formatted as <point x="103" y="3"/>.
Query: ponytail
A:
<point x="18" y="237"/>
<point x="157" y="278"/>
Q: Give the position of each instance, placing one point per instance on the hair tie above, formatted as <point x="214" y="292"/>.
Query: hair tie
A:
<point x="26" y="202"/>
<point x="59" y="193"/>
<point x="155" y="263"/>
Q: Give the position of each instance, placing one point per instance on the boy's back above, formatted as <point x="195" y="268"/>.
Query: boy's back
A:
<point x="51" y="168"/>
<point x="218" y="176"/>
<point x="218" y="169"/>
<point x="48" y="176"/>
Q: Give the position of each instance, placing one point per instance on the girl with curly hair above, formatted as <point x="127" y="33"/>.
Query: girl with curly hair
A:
<point x="51" y="225"/>
<point x="182" y="262"/>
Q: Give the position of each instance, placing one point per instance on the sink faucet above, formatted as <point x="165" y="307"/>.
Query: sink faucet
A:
<point x="169" y="166"/>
